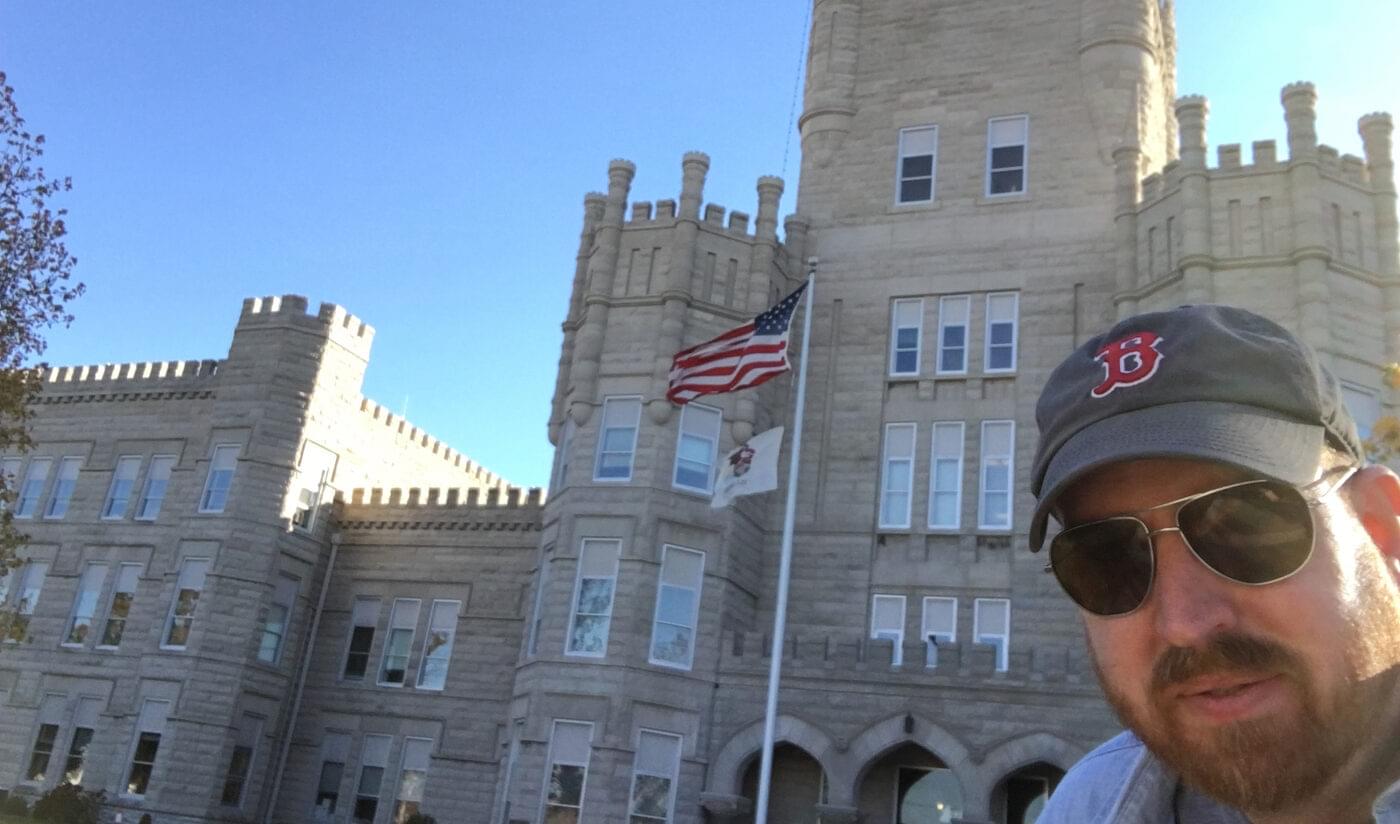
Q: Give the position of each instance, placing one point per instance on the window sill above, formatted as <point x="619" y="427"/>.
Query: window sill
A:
<point x="916" y="206"/>
<point x="626" y="480"/>
<point x="997" y="200"/>
<point x="692" y="491"/>
<point x="670" y="666"/>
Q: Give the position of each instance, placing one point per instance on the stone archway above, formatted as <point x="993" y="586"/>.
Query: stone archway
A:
<point x="987" y="781"/>
<point x="724" y="795"/>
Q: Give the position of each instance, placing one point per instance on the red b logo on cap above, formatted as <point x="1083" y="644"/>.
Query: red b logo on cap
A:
<point x="1128" y="362"/>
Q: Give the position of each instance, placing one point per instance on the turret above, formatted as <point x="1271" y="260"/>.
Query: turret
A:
<point x="675" y="289"/>
<point x="1127" y="61"/>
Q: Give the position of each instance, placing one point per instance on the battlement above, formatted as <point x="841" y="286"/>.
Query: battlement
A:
<point x="695" y="165"/>
<point x="428" y="498"/>
<point x="398" y="427"/>
<point x="148" y="376"/>
<point x="331" y="320"/>
<point x="437" y="509"/>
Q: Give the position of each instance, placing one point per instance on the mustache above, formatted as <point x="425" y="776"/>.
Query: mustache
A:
<point x="1225" y="652"/>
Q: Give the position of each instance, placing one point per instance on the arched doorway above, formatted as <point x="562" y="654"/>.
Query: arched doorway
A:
<point x="797" y="788"/>
<point x="910" y="785"/>
<point x="1020" y="797"/>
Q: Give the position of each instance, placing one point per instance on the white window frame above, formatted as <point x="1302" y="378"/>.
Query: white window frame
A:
<point x="693" y="626"/>
<point x="157" y="472"/>
<point x="985" y="465"/>
<point x="146" y="727"/>
<point x="944" y="312"/>
<point x="617" y="402"/>
<point x="410" y="741"/>
<point x="314" y="473"/>
<point x="1025" y="145"/>
<point x="335" y="749"/>
<point x="52" y="710"/>
<point x="552" y="759"/>
<point x="638" y="770"/>
<point x="217" y="470"/>
<point x="412" y="628"/>
<point x="381" y="765"/>
<point x="122" y="571"/>
<point x="169" y="626"/>
<point x="27" y="499"/>
<point x="90" y="584"/>
<point x="114" y="508"/>
<point x="896" y="326"/>
<point x="1015" y="334"/>
<point x="903" y="153"/>
<point x="887" y="462"/>
<point x="63" y="486"/>
<point x="578" y="593"/>
<point x="451" y="630"/>
<point x="933" y="635"/>
<point x="85" y="717"/>
<point x="895" y="634"/>
<point x="248" y="734"/>
<point x="1004" y="651"/>
<point x="285" y="591"/>
<point x="25" y="606"/>
<point x="689" y="413"/>
<point x="935" y="459"/>
<point x="378" y="605"/>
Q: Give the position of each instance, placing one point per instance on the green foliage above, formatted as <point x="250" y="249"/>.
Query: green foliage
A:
<point x="67" y="804"/>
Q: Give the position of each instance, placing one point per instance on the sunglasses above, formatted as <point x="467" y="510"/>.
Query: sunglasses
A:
<point x="1253" y="532"/>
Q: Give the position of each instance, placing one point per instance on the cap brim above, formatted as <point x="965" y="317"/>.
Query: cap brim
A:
<point x="1253" y="439"/>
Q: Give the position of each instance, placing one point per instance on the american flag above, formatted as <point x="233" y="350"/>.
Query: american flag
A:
<point x="742" y="357"/>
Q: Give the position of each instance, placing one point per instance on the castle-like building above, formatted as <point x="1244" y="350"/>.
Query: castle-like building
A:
<point x="252" y="595"/>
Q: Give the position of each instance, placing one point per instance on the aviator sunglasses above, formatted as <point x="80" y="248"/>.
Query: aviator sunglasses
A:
<point x="1252" y="532"/>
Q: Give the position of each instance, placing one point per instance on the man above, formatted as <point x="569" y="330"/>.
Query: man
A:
<point x="1237" y="567"/>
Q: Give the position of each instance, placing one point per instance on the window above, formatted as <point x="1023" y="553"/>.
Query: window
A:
<point x="1006" y="155"/>
<point x="274" y="633"/>
<point x="940" y="626"/>
<point x="33" y="487"/>
<point x="593" y="598"/>
<point x="887" y="623"/>
<point x="654" y="777"/>
<point x="123" y="594"/>
<point x="998" y="442"/>
<point x="618" y="439"/>
<point x="566" y="450"/>
<point x="897" y="479"/>
<point x="991" y="624"/>
<point x="1001" y="332"/>
<point x="403" y="621"/>
<point x="1364" y="406"/>
<point x="696" y="446"/>
<point x="570" y="743"/>
<point x="63" y="487"/>
<point x="945" y="476"/>
<point x="677" y="607"/>
<point x="413" y="775"/>
<point x="335" y="751"/>
<point x="41" y="754"/>
<point x="216" y="486"/>
<point x="84" y="726"/>
<point x="240" y="764"/>
<point x="952" y="334"/>
<point x="157" y="479"/>
<point x="150" y="725"/>
<point x="31" y="586"/>
<point x="314" y="474"/>
<point x="918" y="153"/>
<point x="923" y="794"/>
<point x="85" y="605"/>
<point x="187" y="591"/>
<point x="907" y="324"/>
<point x="437" y="649"/>
<point x="363" y="619"/>
<point x="373" y="756"/>
<point x="123" y="480"/>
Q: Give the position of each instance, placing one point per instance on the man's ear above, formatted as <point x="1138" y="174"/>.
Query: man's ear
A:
<point x="1374" y="493"/>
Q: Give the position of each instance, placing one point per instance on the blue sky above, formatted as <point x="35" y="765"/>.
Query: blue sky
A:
<point x="424" y="164"/>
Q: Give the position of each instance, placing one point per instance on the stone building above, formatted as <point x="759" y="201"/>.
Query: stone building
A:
<point x="439" y="640"/>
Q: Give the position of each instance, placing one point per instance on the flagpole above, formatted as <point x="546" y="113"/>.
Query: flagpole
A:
<point x="775" y="663"/>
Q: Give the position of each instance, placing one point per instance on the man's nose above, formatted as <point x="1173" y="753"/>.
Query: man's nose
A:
<point x="1190" y="603"/>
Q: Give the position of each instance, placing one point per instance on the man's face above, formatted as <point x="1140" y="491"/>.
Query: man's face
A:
<point x="1257" y="695"/>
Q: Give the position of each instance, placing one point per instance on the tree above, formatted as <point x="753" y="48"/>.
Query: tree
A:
<point x="1384" y="443"/>
<point x="35" y="287"/>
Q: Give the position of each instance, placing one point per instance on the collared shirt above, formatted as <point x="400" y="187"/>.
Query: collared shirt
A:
<point x="1121" y="782"/>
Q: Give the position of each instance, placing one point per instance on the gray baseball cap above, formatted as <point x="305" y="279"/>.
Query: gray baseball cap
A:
<point x="1210" y="382"/>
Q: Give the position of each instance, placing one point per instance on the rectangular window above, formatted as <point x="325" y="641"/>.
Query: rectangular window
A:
<point x="63" y="487"/>
<point x="279" y="612"/>
<point x="566" y="449"/>
<point x="654" y="776"/>
<point x="157" y="479"/>
<point x="696" y="447"/>
<point x="1006" y="155"/>
<point x="123" y="594"/>
<point x="373" y="757"/>
<point x="398" y="644"/>
<point x="998" y="471"/>
<point x="918" y="156"/>
<point x="85" y="605"/>
<point x="150" y="726"/>
<point x="940" y="626"/>
<point x="952" y="334"/>
<point x="335" y="751"/>
<point x="123" y="480"/>
<point x="313" y="475"/>
<point x="32" y="488"/>
<point x="31" y="586"/>
<point x="188" y="588"/>
<point x="906" y="329"/>
<point x="570" y="744"/>
<point x="84" y="726"/>
<point x="413" y="776"/>
<point x="216" y="487"/>
<point x="677" y="607"/>
<point x="1002" y="311"/>
<point x="240" y="764"/>
<point x="617" y="441"/>
<point x="593" y="598"/>
<point x="45" y="738"/>
<point x="945" y="476"/>
<point x="1364" y="406"/>
<point x="897" y="477"/>
<point x="437" y="649"/>
<point x="363" y="619"/>
<point x="887" y="622"/>
<point x="991" y="624"/>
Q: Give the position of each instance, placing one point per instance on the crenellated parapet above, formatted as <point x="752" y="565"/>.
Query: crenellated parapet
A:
<point x="126" y="381"/>
<point x="331" y="321"/>
<point x="436" y="509"/>
<point x="380" y="421"/>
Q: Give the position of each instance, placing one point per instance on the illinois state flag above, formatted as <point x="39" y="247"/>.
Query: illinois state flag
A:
<point x="742" y="357"/>
<point x="751" y="468"/>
